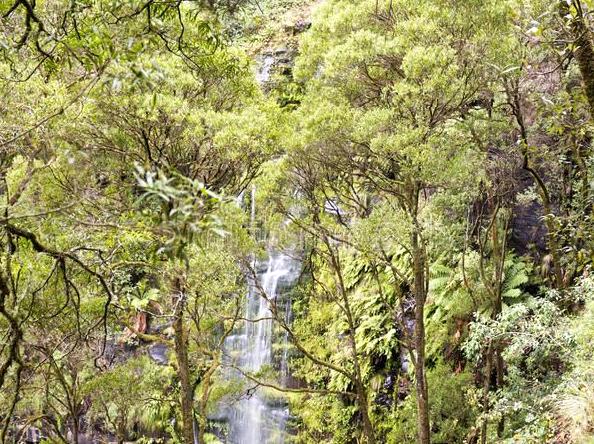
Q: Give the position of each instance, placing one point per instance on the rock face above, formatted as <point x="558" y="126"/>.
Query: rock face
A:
<point x="159" y="353"/>
<point x="273" y="65"/>
<point x="301" y="26"/>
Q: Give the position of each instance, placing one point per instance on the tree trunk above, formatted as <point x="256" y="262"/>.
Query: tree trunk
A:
<point x="499" y="253"/>
<point x="183" y="366"/>
<point x="367" y="426"/>
<point x="420" y="293"/>
<point x="74" y="429"/>
<point x="486" y="389"/>
<point x="357" y="378"/>
<point x="419" y="340"/>
<point x="206" y="387"/>
<point x="515" y="101"/>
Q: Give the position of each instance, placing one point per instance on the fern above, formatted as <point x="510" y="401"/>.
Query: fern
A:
<point x="515" y="276"/>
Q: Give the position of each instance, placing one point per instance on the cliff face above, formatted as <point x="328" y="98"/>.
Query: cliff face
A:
<point x="276" y="45"/>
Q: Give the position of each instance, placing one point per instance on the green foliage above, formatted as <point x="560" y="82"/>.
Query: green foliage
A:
<point x="457" y="294"/>
<point x="129" y="394"/>
<point x="453" y="415"/>
<point x="324" y="419"/>
<point x="573" y="398"/>
<point x="436" y="133"/>
<point x="537" y="350"/>
<point x="186" y="208"/>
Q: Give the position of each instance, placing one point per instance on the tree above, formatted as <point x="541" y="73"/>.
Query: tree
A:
<point x="398" y="107"/>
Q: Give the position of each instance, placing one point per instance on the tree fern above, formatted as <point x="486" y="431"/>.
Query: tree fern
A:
<point x="515" y="276"/>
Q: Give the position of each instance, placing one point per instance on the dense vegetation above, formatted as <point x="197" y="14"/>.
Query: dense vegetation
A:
<point x="429" y="163"/>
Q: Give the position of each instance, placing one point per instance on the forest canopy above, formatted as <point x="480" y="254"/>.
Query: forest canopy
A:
<point x="296" y="221"/>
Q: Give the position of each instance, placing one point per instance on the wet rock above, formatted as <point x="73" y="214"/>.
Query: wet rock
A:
<point x="301" y="26"/>
<point x="33" y="435"/>
<point x="265" y="65"/>
<point x="386" y="395"/>
<point x="280" y="51"/>
<point x="158" y="353"/>
<point x="298" y="27"/>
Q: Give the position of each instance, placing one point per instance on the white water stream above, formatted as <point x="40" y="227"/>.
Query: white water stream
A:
<point x="259" y="417"/>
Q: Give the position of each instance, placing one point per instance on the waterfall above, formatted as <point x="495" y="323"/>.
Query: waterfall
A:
<point x="253" y="211"/>
<point x="259" y="415"/>
<point x="263" y="72"/>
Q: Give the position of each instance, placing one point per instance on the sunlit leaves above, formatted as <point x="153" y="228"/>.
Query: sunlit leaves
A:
<point x="187" y="207"/>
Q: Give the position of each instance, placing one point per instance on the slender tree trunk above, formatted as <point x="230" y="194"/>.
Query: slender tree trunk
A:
<point x="498" y="257"/>
<point x="183" y="366"/>
<point x="361" y="391"/>
<point x="121" y="431"/>
<point x="14" y="353"/>
<point x="499" y="363"/>
<point x="514" y="100"/>
<point x="498" y="358"/>
<point x="201" y="424"/>
<point x="202" y="415"/>
<point x="419" y="340"/>
<point x="420" y="293"/>
<point x="584" y="54"/>
<point x="74" y="429"/>
<point x="486" y="389"/>
<point x="367" y="425"/>
<point x="206" y="388"/>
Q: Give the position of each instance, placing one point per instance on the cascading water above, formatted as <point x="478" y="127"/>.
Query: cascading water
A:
<point x="263" y="72"/>
<point x="259" y="416"/>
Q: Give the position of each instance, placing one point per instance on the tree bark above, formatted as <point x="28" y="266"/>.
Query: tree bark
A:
<point x="75" y="429"/>
<point x="499" y="253"/>
<point x="367" y="425"/>
<point x="183" y="366"/>
<point x="357" y="378"/>
<point x="486" y="389"/>
<point x="514" y="100"/>
<point x="420" y="294"/>
<point x="204" y="400"/>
